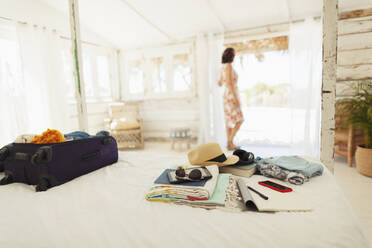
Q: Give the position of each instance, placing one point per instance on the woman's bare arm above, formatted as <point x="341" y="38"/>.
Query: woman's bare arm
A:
<point x="229" y="82"/>
<point x="220" y="81"/>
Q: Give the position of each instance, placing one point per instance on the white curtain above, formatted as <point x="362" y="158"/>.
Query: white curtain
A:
<point x="37" y="100"/>
<point x="305" y="49"/>
<point x="209" y="48"/>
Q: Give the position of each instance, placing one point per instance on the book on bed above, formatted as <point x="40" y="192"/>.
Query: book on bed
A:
<point x="276" y="202"/>
<point x="241" y="171"/>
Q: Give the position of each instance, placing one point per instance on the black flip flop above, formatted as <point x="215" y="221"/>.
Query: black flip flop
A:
<point x="245" y="158"/>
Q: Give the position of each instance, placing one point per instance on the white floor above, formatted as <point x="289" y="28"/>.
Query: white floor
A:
<point x="357" y="188"/>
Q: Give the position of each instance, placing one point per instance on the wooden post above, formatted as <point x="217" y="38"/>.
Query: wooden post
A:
<point x="78" y="65"/>
<point x="330" y="17"/>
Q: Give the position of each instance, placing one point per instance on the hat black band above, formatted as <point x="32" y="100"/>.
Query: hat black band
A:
<point x="219" y="159"/>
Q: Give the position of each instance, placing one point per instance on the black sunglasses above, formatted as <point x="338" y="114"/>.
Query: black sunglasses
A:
<point x="193" y="175"/>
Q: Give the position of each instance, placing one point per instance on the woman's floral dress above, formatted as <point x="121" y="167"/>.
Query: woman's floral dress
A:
<point x="233" y="112"/>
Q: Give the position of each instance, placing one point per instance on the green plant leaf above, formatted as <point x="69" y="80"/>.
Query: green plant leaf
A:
<point x="358" y="112"/>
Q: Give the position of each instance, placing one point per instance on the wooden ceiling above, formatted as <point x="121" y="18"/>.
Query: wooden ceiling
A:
<point x="257" y="47"/>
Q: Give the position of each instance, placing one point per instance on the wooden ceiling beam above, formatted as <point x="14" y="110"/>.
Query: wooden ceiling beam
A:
<point x="355" y="14"/>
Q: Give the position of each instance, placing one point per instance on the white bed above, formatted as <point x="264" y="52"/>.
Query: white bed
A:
<point x="107" y="208"/>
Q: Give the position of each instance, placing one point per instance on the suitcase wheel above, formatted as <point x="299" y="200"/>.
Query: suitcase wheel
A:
<point x="7" y="179"/>
<point x="43" y="155"/>
<point x="43" y="185"/>
<point x="4" y="152"/>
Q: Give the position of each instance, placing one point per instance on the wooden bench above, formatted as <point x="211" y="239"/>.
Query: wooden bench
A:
<point x="180" y="135"/>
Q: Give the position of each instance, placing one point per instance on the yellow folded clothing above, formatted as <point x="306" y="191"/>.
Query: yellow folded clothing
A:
<point x="182" y="192"/>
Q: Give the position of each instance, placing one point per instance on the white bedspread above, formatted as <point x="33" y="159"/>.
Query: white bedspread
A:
<point x="107" y="208"/>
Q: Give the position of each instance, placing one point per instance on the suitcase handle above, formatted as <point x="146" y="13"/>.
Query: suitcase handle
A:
<point x="90" y="155"/>
<point x="42" y="156"/>
<point x="21" y="156"/>
<point x="107" y="141"/>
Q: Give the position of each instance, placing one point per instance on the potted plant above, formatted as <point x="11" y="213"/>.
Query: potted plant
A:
<point x="359" y="115"/>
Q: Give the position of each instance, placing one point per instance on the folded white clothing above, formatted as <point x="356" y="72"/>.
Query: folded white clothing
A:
<point x="186" y="192"/>
<point x="25" y="138"/>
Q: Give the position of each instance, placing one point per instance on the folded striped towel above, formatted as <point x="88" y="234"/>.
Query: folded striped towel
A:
<point x="217" y="200"/>
<point x="192" y="193"/>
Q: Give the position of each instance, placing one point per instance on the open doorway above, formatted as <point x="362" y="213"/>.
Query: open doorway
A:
<point x="264" y="87"/>
<point x="279" y="82"/>
<point x="265" y="97"/>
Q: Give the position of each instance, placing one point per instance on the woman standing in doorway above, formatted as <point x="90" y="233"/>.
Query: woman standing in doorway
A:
<point x="233" y="113"/>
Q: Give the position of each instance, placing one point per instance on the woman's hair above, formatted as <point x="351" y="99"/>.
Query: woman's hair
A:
<point x="228" y="55"/>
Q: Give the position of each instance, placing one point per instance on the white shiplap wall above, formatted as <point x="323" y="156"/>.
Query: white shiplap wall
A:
<point x="97" y="112"/>
<point x="159" y="116"/>
<point x="354" y="57"/>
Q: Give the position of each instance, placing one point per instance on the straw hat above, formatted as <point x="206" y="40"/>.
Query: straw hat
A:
<point x="210" y="153"/>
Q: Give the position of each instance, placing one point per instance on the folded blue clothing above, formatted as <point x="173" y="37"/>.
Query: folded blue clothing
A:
<point x="77" y="135"/>
<point x="296" y="163"/>
<point x="83" y="135"/>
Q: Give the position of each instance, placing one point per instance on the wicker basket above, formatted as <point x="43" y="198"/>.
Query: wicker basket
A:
<point x="363" y="157"/>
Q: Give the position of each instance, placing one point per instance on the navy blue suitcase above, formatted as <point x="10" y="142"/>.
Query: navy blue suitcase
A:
<point x="49" y="165"/>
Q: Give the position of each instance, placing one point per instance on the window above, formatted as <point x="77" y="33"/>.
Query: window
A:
<point x="10" y="67"/>
<point x="98" y="72"/>
<point x="87" y="72"/>
<point x="11" y="84"/>
<point x="159" y="73"/>
<point x="259" y="88"/>
<point x="11" y="73"/>
<point x="181" y="72"/>
<point x="136" y="77"/>
<point x="68" y="73"/>
<point x="103" y="76"/>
